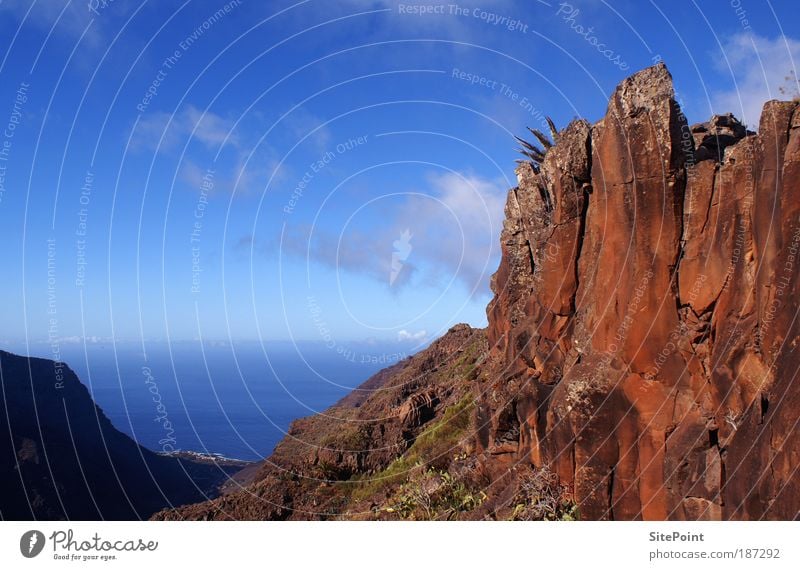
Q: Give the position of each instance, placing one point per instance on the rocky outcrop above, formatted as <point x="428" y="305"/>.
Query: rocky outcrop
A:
<point x="643" y="326"/>
<point x="61" y="458"/>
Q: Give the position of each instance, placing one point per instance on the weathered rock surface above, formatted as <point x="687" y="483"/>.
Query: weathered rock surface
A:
<point x="643" y="329"/>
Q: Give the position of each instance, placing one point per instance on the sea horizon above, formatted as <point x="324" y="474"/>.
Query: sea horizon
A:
<point x="230" y="398"/>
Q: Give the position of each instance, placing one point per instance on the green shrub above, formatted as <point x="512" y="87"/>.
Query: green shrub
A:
<point x="435" y="495"/>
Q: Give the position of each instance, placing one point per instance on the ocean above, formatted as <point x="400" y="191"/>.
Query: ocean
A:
<point x="237" y="401"/>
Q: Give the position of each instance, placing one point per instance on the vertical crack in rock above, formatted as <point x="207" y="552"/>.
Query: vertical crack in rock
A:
<point x="654" y="280"/>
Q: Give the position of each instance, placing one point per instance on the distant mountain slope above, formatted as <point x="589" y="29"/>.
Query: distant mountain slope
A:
<point x="61" y="458"/>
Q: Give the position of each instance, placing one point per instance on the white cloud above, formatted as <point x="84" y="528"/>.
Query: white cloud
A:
<point x="760" y="67"/>
<point x="206" y="127"/>
<point x="454" y="235"/>
<point x="237" y="170"/>
<point x="72" y="17"/>
<point x="457" y="229"/>
<point x="301" y="123"/>
<point x="238" y="174"/>
<point x="209" y="128"/>
<point x="404" y="335"/>
<point x="87" y="339"/>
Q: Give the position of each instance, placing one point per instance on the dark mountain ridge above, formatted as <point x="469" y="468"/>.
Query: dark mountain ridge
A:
<point x="61" y="458"/>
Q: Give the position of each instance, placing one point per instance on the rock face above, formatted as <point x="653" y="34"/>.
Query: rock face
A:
<point x="61" y="458"/>
<point x="643" y="328"/>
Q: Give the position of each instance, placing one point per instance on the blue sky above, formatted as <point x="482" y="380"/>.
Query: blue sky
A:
<point x="311" y="170"/>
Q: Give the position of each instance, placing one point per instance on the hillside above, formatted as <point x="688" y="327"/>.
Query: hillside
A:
<point x="411" y="421"/>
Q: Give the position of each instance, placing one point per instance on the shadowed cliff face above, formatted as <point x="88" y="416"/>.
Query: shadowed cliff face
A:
<point x="643" y="327"/>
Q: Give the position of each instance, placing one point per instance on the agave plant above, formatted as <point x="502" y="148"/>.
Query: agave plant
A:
<point x="535" y="155"/>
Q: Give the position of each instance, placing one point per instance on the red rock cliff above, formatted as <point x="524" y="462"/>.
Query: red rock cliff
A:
<point x="644" y="326"/>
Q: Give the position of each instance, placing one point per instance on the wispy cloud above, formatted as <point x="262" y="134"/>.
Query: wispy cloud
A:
<point x="452" y="227"/>
<point x="163" y="132"/>
<point x="302" y="122"/>
<point x="763" y="69"/>
<point x="455" y="21"/>
<point x="241" y="169"/>
<point x="240" y="175"/>
<point x="69" y="19"/>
